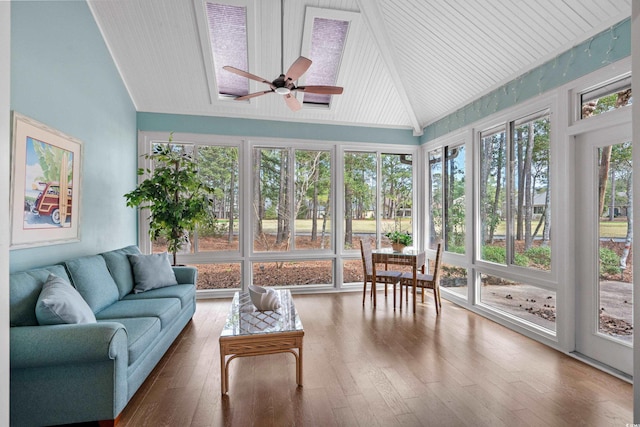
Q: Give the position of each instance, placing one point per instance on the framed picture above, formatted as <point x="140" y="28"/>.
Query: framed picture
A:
<point x="45" y="184"/>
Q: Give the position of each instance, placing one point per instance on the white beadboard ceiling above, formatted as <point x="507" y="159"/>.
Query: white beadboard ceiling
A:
<point x="406" y="63"/>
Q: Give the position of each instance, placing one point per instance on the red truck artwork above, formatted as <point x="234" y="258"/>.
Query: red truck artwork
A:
<point x="47" y="202"/>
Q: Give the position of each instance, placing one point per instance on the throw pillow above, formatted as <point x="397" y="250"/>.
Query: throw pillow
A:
<point x="151" y="271"/>
<point x="60" y="303"/>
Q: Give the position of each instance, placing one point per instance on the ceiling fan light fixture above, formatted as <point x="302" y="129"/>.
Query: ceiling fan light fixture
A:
<point x="283" y="91"/>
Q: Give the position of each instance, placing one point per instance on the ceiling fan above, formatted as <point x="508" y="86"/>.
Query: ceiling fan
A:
<point x="285" y="83"/>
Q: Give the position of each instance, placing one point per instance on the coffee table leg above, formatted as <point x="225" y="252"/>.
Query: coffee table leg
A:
<point x="223" y="372"/>
<point x="299" y="364"/>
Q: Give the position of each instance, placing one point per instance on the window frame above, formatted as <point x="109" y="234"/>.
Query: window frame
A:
<point x="305" y="50"/>
<point x="145" y="143"/>
<point x="253" y="12"/>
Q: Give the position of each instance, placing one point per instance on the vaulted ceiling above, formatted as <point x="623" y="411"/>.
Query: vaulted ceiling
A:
<point x="406" y="63"/>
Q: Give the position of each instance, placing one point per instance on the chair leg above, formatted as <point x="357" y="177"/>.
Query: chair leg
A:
<point x="394" y="296"/>
<point x="435" y="299"/>
<point x="364" y="292"/>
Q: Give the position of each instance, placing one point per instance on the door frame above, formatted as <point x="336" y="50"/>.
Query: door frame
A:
<point x="588" y="341"/>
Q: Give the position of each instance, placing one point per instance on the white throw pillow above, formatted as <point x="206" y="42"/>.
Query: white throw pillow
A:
<point x="60" y="303"/>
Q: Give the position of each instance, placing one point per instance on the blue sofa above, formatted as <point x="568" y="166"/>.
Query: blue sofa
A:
<point x="70" y="373"/>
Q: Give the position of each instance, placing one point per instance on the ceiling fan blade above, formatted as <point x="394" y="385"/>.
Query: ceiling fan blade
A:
<point x="252" y="95"/>
<point x="324" y="90"/>
<point x="292" y="102"/>
<point x="298" y="68"/>
<point x="245" y="74"/>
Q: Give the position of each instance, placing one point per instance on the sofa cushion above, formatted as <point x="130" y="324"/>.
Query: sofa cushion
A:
<point x="92" y="279"/>
<point x="60" y="303"/>
<point x="166" y="309"/>
<point x="142" y="332"/>
<point x="152" y="271"/>
<point x="120" y="268"/>
<point x="24" y="290"/>
<point x="185" y="293"/>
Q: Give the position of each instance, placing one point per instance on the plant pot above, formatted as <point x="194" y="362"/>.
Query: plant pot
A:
<point x="397" y="247"/>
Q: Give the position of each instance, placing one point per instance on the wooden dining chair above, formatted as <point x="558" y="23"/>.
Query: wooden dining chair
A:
<point x="426" y="281"/>
<point x="385" y="277"/>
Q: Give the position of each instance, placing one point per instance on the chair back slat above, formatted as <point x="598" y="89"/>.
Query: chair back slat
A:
<point x="367" y="258"/>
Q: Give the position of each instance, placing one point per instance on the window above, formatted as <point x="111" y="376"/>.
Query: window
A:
<point x="396" y="194"/>
<point x="376" y="203"/>
<point x="313" y="199"/>
<point x="272" y="220"/>
<point x="531" y="304"/>
<point x="360" y="200"/>
<point x="218" y="166"/>
<point x="606" y="98"/>
<point x="514" y="179"/>
<point x="327" y="44"/>
<point x="446" y="198"/>
<point x="286" y="197"/>
<point x="228" y="38"/>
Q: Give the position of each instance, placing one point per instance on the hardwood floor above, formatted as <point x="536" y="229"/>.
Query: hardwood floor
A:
<point x="376" y="367"/>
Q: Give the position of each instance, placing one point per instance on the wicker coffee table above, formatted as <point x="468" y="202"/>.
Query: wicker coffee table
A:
<point x="248" y="332"/>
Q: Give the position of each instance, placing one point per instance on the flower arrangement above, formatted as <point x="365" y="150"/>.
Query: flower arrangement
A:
<point x="399" y="237"/>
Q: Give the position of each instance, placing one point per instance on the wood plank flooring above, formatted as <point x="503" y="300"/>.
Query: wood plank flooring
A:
<point x="376" y="367"/>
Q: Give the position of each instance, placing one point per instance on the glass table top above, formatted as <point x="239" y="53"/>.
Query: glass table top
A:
<point x="245" y="319"/>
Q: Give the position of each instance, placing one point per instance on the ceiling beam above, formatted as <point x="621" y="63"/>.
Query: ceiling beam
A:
<point x="377" y="28"/>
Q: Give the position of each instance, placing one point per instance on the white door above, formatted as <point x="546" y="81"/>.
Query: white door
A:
<point x="604" y="277"/>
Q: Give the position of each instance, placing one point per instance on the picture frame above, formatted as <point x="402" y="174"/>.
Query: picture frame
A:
<point x="43" y="160"/>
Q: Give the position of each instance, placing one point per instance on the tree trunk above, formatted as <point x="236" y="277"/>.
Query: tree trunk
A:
<point x="283" y="199"/>
<point x="258" y="204"/>
<point x="314" y="206"/>
<point x="231" y="204"/>
<point x="348" y="216"/>
<point x="629" y="237"/>
<point x="603" y="175"/>
<point x="519" y="171"/>
<point x="325" y="218"/>
<point x="546" y="231"/>
<point x="485" y="168"/>
<point x="496" y="198"/>
<point x="528" y="189"/>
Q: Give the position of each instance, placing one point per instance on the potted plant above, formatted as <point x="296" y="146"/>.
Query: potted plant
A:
<point x="174" y="193"/>
<point x="399" y="239"/>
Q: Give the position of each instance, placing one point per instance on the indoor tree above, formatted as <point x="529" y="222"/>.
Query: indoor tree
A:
<point x="176" y="196"/>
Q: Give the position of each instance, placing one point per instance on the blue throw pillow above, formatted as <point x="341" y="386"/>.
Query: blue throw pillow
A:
<point x="60" y="303"/>
<point x="151" y="271"/>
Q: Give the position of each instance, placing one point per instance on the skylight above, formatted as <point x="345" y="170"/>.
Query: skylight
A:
<point x="228" y="37"/>
<point x="327" y="44"/>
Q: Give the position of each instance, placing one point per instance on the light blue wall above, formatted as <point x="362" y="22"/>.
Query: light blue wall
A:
<point x="272" y="129"/>
<point x="602" y="49"/>
<point x="63" y="76"/>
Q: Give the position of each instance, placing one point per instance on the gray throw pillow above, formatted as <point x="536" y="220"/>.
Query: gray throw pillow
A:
<point x="151" y="271"/>
<point x="60" y="303"/>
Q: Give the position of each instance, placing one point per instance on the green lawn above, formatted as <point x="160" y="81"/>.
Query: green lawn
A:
<point x="614" y="229"/>
<point x="359" y="226"/>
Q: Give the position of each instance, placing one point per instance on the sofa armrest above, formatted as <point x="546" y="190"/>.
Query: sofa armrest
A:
<point x="39" y="346"/>
<point x="186" y="275"/>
